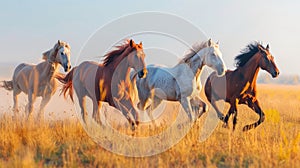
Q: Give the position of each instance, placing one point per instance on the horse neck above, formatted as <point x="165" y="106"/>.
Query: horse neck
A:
<point x="251" y="69"/>
<point x="119" y="67"/>
<point x="196" y="63"/>
<point x="49" y="70"/>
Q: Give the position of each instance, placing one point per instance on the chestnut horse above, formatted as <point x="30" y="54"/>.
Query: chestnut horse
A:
<point x="109" y="81"/>
<point x="241" y="83"/>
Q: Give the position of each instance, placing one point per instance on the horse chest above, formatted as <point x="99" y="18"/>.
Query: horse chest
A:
<point x="246" y="87"/>
<point x="46" y="88"/>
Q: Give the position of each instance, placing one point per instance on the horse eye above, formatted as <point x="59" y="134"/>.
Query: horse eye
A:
<point x="62" y="53"/>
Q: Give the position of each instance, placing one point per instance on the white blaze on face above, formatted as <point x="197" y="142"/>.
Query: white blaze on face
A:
<point x="64" y="55"/>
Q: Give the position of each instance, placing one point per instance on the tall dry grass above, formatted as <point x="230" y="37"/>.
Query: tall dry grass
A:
<point x="275" y="143"/>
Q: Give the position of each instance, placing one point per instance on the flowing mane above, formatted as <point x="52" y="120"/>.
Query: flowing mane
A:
<point x="247" y="54"/>
<point x="192" y="51"/>
<point x="112" y="55"/>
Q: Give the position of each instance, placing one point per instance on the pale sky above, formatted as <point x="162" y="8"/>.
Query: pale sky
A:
<point x="29" y="28"/>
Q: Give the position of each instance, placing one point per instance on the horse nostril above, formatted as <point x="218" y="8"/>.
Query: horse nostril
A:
<point x="70" y="67"/>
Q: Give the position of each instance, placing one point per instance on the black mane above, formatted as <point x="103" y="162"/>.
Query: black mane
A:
<point x="247" y="53"/>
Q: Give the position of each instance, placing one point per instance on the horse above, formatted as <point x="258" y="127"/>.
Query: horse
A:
<point x="108" y="81"/>
<point x="38" y="80"/>
<point x="181" y="82"/>
<point x="241" y="83"/>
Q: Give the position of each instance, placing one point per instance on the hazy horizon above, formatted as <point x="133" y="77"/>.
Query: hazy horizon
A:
<point x="29" y="28"/>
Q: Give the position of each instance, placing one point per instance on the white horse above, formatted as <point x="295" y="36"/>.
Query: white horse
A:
<point x="39" y="80"/>
<point x="181" y="82"/>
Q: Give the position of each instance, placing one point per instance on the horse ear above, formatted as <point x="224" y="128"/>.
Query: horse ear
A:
<point x="131" y="42"/>
<point x="141" y="43"/>
<point x="260" y="48"/>
<point x="58" y="42"/>
<point x="268" y="47"/>
<point x="209" y="42"/>
<point x="217" y="42"/>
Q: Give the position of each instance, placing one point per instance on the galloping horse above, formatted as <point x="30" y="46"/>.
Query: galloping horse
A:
<point x="109" y="81"/>
<point x="181" y="82"/>
<point x="38" y="80"/>
<point x="241" y="83"/>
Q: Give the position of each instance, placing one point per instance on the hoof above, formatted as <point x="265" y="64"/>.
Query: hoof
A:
<point x="133" y="127"/>
<point x="225" y="125"/>
<point x="247" y="128"/>
<point x="222" y="118"/>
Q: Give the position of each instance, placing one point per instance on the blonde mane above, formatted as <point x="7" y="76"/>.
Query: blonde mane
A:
<point x="196" y="47"/>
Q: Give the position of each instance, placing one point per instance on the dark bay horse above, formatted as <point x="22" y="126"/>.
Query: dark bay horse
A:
<point x="241" y="83"/>
<point x="109" y="81"/>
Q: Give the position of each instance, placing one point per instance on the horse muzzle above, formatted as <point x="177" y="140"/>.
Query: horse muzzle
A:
<point x="221" y="71"/>
<point x="142" y="73"/>
<point x="275" y="74"/>
<point x="67" y="68"/>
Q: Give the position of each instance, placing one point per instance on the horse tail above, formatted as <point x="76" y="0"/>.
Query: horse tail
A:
<point x="8" y="85"/>
<point x="67" y="82"/>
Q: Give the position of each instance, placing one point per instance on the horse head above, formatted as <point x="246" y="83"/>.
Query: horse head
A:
<point x="267" y="62"/>
<point x="213" y="58"/>
<point x="60" y="54"/>
<point x="136" y="59"/>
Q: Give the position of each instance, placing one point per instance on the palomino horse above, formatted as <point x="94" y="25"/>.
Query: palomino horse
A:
<point x="241" y="83"/>
<point x="38" y="80"/>
<point x="109" y="81"/>
<point x="181" y="82"/>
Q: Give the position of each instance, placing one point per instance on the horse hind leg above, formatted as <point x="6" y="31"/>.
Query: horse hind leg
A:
<point x="82" y="102"/>
<point x="96" y="113"/>
<point x="16" y="93"/>
<point x="156" y="102"/>
<point x="45" y="101"/>
<point x="187" y="107"/>
<point x="29" y="107"/>
<point x="219" y="113"/>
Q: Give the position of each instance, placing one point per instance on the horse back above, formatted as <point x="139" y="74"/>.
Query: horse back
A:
<point x="21" y="76"/>
<point x="87" y="78"/>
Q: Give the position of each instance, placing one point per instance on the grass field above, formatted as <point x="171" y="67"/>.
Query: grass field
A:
<point x="275" y="143"/>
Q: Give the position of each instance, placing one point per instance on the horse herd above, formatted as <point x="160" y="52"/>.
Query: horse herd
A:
<point x="113" y="81"/>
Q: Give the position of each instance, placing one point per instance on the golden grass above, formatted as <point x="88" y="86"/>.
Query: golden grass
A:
<point x="275" y="143"/>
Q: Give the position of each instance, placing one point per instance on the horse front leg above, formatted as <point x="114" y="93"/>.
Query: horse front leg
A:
<point x="187" y="107"/>
<point x="123" y="106"/>
<point x="254" y="105"/>
<point x="29" y="107"/>
<point x="232" y="110"/>
<point x="156" y="102"/>
<point x="196" y="103"/>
